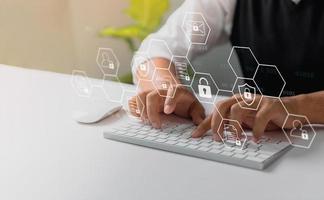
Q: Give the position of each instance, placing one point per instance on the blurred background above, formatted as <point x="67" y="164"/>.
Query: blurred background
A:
<point x="62" y="35"/>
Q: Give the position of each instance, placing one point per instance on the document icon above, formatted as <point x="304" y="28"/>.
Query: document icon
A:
<point x="196" y="28"/>
<point x="182" y="71"/>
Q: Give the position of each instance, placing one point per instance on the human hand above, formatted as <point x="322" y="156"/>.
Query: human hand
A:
<point x="174" y="99"/>
<point x="270" y="115"/>
<point x="184" y="104"/>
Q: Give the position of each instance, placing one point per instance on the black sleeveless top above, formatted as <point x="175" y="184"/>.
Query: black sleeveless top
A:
<point x="285" y="34"/>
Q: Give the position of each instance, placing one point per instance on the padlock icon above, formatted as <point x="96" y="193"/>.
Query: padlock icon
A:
<point x="195" y="28"/>
<point x="164" y="86"/>
<point x="111" y="65"/>
<point x="143" y="67"/>
<point x="247" y="94"/>
<point x="304" y="135"/>
<point x="238" y="142"/>
<point x="106" y="62"/>
<point x="204" y="90"/>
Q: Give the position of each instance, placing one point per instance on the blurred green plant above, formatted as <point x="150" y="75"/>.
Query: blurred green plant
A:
<point x="147" y="16"/>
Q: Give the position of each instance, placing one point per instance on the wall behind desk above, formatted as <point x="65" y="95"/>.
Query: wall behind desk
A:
<point x="62" y="35"/>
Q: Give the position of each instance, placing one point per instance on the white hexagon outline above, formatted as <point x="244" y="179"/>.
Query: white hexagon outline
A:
<point x="172" y="76"/>
<point x="130" y="115"/>
<point x="274" y="66"/>
<point x="194" y="71"/>
<point x="243" y="132"/>
<point x="115" y="57"/>
<point x="187" y="35"/>
<point x="246" y="108"/>
<point x="143" y="55"/>
<point x="309" y="124"/>
<point x="84" y="74"/>
<point x="207" y="74"/>
<point x="105" y="91"/>
<point x="232" y="51"/>
<point x="165" y="43"/>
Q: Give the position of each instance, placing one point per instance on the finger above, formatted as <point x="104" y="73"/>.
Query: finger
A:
<point x="174" y="94"/>
<point x="202" y="128"/>
<point x="197" y="112"/>
<point x="141" y="105"/>
<point x="222" y="108"/>
<point x="153" y="103"/>
<point x="133" y="108"/>
<point x="236" y="115"/>
<point x="262" y="118"/>
<point x="217" y="128"/>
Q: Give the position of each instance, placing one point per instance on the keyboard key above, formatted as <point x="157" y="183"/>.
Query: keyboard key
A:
<point x="226" y="153"/>
<point x="163" y="136"/>
<point x="192" y="146"/>
<point x="150" y="138"/>
<point x="172" y="142"/>
<point x="194" y="142"/>
<point x="205" y="144"/>
<point x="216" y="151"/>
<point x="239" y="151"/>
<point x="238" y="155"/>
<point x="251" y="154"/>
<point x="160" y="140"/>
<point x="173" y="138"/>
<point x="228" y="149"/>
<point x="181" y="144"/>
<point x="204" y="149"/>
<point x="183" y="140"/>
<point x="130" y="134"/>
<point x="140" y="136"/>
<point x="254" y="159"/>
<point x="264" y="156"/>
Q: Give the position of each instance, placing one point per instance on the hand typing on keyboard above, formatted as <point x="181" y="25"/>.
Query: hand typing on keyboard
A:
<point x="174" y="99"/>
<point x="269" y="116"/>
<point x="170" y="98"/>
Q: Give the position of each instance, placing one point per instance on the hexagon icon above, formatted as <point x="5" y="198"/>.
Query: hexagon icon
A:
<point x="269" y="80"/>
<point x="300" y="133"/>
<point x="196" y="28"/>
<point x="164" y="82"/>
<point x="130" y="104"/>
<point x="108" y="62"/>
<point x="159" y="48"/>
<point x="112" y="88"/>
<point x="81" y="83"/>
<point x="183" y="69"/>
<point x="143" y="66"/>
<point x="247" y="93"/>
<point x="242" y="58"/>
<point x="232" y="133"/>
<point x="204" y="87"/>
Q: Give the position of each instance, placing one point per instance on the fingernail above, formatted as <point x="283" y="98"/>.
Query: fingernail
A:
<point x="255" y="139"/>
<point x="156" y="125"/>
<point x="194" y="134"/>
<point x="167" y="109"/>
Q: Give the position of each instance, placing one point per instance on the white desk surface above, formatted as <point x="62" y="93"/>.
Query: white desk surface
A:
<point x="45" y="155"/>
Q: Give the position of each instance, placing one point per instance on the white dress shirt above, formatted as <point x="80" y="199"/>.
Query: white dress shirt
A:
<point x="218" y="15"/>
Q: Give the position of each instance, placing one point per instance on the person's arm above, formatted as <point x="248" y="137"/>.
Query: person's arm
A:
<point x="179" y="100"/>
<point x="218" y="15"/>
<point x="270" y="115"/>
<point x="312" y="106"/>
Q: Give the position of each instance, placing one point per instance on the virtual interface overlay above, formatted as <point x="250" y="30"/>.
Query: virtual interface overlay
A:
<point x="249" y="90"/>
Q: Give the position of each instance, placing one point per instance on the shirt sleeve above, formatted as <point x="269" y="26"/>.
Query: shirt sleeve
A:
<point x="218" y="15"/>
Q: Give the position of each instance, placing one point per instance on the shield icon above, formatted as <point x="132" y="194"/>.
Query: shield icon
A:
<point x="247" y="93"/>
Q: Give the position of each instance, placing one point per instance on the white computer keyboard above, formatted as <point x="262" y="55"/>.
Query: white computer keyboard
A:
<point x="176" y="137"/>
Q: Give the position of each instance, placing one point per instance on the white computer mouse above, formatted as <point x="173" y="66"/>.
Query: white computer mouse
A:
<point x="95" y="115"/>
